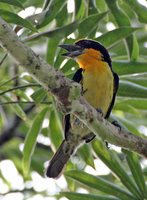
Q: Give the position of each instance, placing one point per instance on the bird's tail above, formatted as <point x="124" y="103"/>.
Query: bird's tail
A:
<point x="57" y="163"/>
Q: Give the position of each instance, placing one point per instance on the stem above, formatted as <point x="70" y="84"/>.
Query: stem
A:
<point x="20" y="87"/>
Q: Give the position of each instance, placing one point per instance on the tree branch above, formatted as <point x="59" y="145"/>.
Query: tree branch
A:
<point x="67" y="93"/>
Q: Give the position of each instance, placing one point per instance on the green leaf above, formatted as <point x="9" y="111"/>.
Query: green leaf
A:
<point x="122" y="20"/>
<point x="22" y="95"/>
<point x="145" y="171"/>
<point x="62" y="19"/>
<point x="99" y="183"/>
<point x="138" y="80"/>
<point x="114" y="163"/>
<point x="139" y="10"/>
<point x="55" y="129"/>
<point x="110" y="38"/>
<point x="90" y="23"/>
<point x="80" y="9"/>
<point x="54" y="7"/>
<point x="68" y="65"/>
<point x="78" y="196"/>
<point x="39" y="95"/>
<point x="6" y="90"/>
<point x="16" y="108"/>
<point x="101" y="5"/>
<point x="14" y="3"/>
<point x="137" y="172"/>
<point x="58" y="32"/>
<point x="15" y="19"/>
<point x="30" y="141"/>
<point x="133" y="102"/>
<point x="129" y="89"/>
<point x="125" y="68"/>
<point x="19" y="111"/>
<point x="86" y="153"/>
<point x="62" y="31"/>
<point x="129" y="110"/>
<point x="119" y="15"/>
<point x="51" y="50"/>
<point x="133" y="47"/>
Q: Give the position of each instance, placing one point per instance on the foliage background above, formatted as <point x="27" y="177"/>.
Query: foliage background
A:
<point x="30" y="124"/>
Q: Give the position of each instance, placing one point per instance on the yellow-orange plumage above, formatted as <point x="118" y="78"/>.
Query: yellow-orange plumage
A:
<point x="97" y="81"/>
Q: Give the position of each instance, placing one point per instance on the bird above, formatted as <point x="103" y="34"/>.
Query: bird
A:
<point x="99" y="85"/>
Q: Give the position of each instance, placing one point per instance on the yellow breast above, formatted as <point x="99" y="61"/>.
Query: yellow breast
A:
<point x="97" y="82"/>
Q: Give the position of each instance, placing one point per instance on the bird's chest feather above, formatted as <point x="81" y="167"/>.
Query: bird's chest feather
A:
<point x="98" y="86"/>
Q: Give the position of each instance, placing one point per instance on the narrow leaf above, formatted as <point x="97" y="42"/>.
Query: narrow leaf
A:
<point x="110" y="38"/>
<point x="30" y="141"/>
<point x="89" y="23"/>
<point x="15" y="19"/>
<point x="101" y="5"/>
<point x="80" y="9"/>
<point x="16" y="108"/>
<point x="133" y="102"/>
<point x="137" y="172"/>
<point x="125" y="68"/>
<point x="39" y="95"/>
<point x="19" y="111"/>
<point x="78" y="196"/>
<point x="86" y="153"/>
<point x="130" y="89"/>
<point x="55" y="129"/>
<point x="138" y="80"/>
<point x="122" y="20"/>
<point x="139" y="10"/>
<point x="54" y="7"/>
<point x="115" y="164"/>
<point x="58" y="32"/>
<point x="100" y="184"/>
<point x="14" y="3"/>
<point x="52" y="49"/>
<point x="120" y="16"/>
<point x="133" y="47"/>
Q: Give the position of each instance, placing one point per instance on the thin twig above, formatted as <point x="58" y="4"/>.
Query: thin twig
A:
<point x="23" y="102"/>
<point x="3" y="59"/>
<point x="20" y="87"/>
<point x="12" y="79"/>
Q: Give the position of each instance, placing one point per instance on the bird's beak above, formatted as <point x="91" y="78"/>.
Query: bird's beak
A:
<point x="73" y="50"/>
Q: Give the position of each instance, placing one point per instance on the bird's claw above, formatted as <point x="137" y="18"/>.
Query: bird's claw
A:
<point x="88" y="138"/>
<point x="115" y="123"/>
<point x="99" y="111"/>
<point x="107" y="145"/>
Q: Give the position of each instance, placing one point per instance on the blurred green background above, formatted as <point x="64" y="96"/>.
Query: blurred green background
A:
<point x="30" y="123"/>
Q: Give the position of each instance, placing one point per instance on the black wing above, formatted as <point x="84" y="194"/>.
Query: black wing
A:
<point x="116" y="84"/>
<point x="78" y="75"/>
<point x="77" y="78"/>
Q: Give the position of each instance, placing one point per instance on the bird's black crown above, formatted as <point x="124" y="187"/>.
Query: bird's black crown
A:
<point x="97" y="46"/>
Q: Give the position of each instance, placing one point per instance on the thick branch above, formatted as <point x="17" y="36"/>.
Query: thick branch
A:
<point x="67" y="92"/>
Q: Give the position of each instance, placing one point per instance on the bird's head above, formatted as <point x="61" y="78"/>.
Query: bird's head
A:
<point x="86" y="51"/>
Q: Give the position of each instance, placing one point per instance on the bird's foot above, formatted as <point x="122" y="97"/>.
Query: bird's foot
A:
<point x="107" y="145"/>
<point x="88" y="138"/>
<point x="115" y="123"/>
<point x="100" y="112"/>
